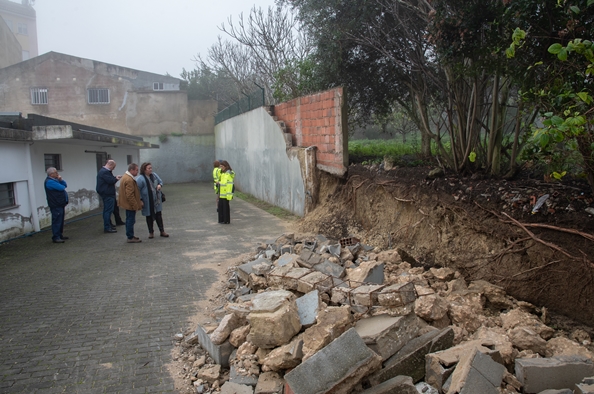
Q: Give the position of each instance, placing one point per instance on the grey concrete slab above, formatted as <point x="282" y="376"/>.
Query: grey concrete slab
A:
<point x="538" y="374"/>
<point x="97" y="314"/>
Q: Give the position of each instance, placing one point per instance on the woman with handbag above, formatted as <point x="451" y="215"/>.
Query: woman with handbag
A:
<point x="150" y="185"/>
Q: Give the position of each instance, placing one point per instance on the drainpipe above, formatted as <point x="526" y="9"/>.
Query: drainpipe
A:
<point x="31" y="187"/>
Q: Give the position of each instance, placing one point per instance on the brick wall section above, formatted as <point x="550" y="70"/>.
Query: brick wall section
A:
<point x="319" y="120"/>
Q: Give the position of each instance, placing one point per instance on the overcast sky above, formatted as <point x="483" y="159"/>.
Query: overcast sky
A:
<point x="159" y="36"/>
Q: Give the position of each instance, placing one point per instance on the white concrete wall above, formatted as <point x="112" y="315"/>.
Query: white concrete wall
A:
<point x="79" y="169"/>
<point x="255" y="147"/>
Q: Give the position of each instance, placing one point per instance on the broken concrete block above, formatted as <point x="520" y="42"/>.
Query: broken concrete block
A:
<point x="431" y="307"/>
<point x="440" y="365"/>
<point x="338" y="367"/>
<point x="410" y="360"/>
<point x="496" y="297"/>
<point x="538" y="374"/>
<point x="287" y="259"/>
<point x="285" y="357"/>
<point x="396" y="295"/>
<point x="262" y="268"/>
<point x="275" y="277"/>
<point x="584" y="388"/>
<point x="341" y="294"/>
<point x="219" y="353"/>
<point x="425" y="388"/>
<point x="274" y="319"/>
<point x="332" y="322"/>
<point x="309" y="259"/>
<point x="238" y="378"/>
<point x="500" y="341"/>
<point x="398" y="384"/>
<point x="291" y="279"/>
<point x="307" y="307"/>
<point x="476" y="372"/>
<point x="465" y="309"/>
<point x="234" y="388"/>
<point x="329" y="268"/>
<point x="269" y="383"/>
<point x="366" y="295"/>
<point x="366" y="272"/>
<point x="552" y="391"/>
<point x="524" y="338"/>
<point x="244" y="270"/>
<point x="314" y="280"/>
<point x="229" y="323"/>
<point x="385" y="334"/>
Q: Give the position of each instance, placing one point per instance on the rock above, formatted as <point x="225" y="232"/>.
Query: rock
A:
<point x="209" y="373"/>
<point x="524" y="338"/>
<point x="465" y="309"/>
<point x="498" y="337"/>
<point x="476" y="372"/>
<point x="496" y="296"/>
<point x="332" y="322"/>
<point x="397" y="295"/>
<point x="366" y="272"/>
<point x="234" y="388"/>
<point x="239" y="335"/>
<point x="519" y="317"/>
<point x="565" y="347"/>
<point x="431" y="307"/>
<point x="443" y="274"/>
<point x="269" y="383"/>
<point x="273" y="319"/>
<point x="229" y="323"/>
<point x="580" y="336"/>
<point x="285" y="357"/>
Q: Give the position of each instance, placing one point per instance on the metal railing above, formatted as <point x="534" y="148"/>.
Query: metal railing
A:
<point x="251" y="101"/>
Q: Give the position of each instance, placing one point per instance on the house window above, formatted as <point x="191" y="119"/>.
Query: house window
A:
<point x="38" y="95"/>
<point x="129" y="159"/>
<point x="53" y="160"/>
<point x="98" y="96"/>
<point x="157" y="85"/>
<point x="7" y="195"/>
<point x="23" y="29"/>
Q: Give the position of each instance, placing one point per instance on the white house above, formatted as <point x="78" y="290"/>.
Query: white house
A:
<point x="29" y="145"/>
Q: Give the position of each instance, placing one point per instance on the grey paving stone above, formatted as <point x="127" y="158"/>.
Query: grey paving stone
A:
<point x="95" y="309"/>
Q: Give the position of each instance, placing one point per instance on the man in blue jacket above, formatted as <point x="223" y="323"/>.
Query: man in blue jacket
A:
<point x="57" y="199"/>
<point x="106" y="189"/>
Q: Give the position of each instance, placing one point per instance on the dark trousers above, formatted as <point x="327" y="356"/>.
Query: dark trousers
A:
<point x="116" y="213"/>
<point x="159" y="218"/>
<point x="224" y="211"/>
<point x="130" y="220"/>
<point x="108" y="204"/>
<point x="57" y="222"/>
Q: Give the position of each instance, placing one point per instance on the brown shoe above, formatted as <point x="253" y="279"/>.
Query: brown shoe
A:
<point x="151" y="235"/>
<point x="164" y="234"/>
<point x="134" y="240"/>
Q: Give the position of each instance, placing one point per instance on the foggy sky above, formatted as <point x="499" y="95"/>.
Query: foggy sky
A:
<point x="159" y="36"/>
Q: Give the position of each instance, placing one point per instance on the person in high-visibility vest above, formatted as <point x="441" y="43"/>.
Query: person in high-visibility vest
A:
<point x="216" y="176"/>
<point x="226" y="190"/>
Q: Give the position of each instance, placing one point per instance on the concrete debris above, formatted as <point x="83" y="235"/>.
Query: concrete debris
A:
<point x="316" y="315"/>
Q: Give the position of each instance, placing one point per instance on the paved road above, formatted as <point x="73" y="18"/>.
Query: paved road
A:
<point x="96" y="314"/>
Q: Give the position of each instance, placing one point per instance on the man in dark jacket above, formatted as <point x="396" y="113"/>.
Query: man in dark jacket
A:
<point x="57" y="199"/>
<point x="106" y="189"/>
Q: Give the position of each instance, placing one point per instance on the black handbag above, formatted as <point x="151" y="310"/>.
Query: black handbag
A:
<point x="163" y="197"/>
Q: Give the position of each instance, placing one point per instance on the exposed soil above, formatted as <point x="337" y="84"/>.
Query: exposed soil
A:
<point x="483" y="227"/>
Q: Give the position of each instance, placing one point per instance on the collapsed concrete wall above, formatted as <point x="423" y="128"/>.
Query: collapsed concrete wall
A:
<point x="265" y="167"/>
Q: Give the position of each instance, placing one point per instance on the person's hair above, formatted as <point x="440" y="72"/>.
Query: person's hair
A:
<point x="143" y="167"/>
<point x="216" y="163"/>
<point x="132" y="166"/>
<point x="226" y="164"/>
<point x="50" y="171"/>
<point x="110" y="163"/>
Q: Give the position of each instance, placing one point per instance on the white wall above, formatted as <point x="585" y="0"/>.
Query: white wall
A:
<point x="255" y="147"/>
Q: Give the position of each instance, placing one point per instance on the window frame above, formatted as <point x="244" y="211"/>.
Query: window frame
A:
<point x="52" y="160"/>
<point x="22" y="28"/>
<point x="37" y="95"/>
<point x="10" y="190"/>
<point x="97" y="92"/>
<point x="158" y="86"/>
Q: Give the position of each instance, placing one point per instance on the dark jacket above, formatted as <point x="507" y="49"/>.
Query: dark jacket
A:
<point x="56" y="193"/>
<point x="106" y="183"/>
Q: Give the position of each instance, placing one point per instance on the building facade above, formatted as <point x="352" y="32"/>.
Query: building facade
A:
<point x="21" y="19"/>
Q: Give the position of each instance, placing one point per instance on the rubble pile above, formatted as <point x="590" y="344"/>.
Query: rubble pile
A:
<point x="313" y="315"/>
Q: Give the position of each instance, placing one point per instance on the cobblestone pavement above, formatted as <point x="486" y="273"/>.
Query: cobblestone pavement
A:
<point x="98" y="315"/>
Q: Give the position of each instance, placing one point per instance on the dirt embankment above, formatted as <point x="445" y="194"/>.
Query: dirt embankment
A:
<point x="483" y="228"/>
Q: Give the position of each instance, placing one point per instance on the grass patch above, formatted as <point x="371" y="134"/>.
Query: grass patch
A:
<point x="374" y="151"/>
<point x="271" y="209"/>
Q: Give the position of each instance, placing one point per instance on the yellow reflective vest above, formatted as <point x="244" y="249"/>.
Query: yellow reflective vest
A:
<point x="216" y="176"/>
<point x="226" y="183"/>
